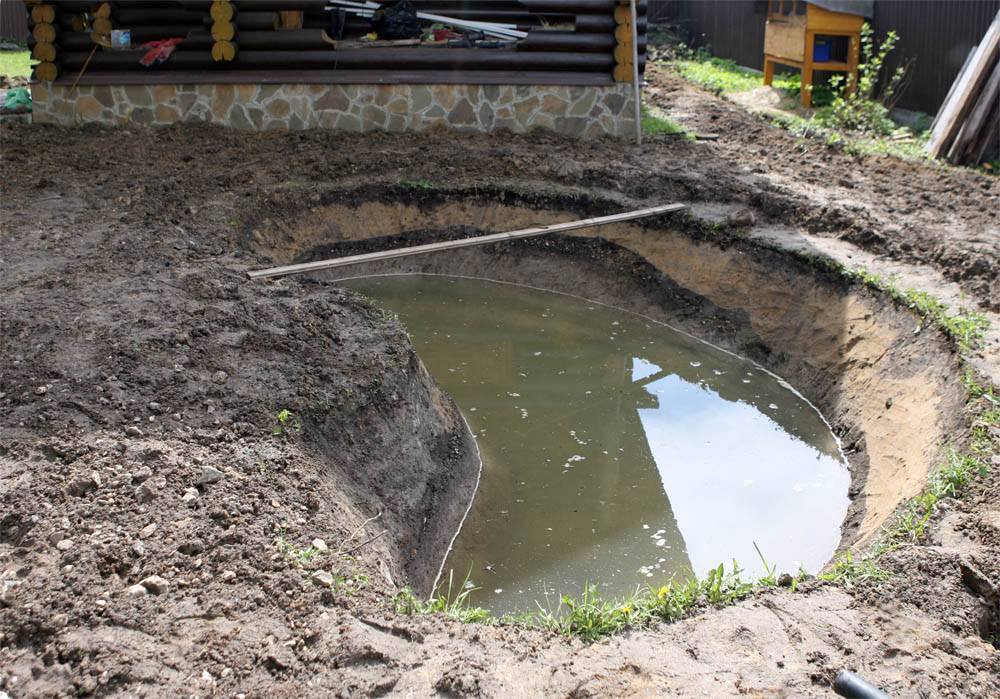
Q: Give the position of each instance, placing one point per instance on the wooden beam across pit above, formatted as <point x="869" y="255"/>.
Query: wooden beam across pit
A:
<point x="336" y="262"/>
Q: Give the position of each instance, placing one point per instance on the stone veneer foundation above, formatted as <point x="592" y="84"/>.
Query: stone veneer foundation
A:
<point x="577" y="111"/>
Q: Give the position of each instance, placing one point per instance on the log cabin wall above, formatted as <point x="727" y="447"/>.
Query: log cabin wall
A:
<point x="294" y="64"/>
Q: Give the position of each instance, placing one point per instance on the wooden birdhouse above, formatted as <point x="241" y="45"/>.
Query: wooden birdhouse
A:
<point x="809" y="37"/>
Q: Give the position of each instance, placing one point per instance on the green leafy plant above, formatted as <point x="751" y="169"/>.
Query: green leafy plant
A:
<point x="302" y="556"/>
<point x="850" y="571"/>
<point x="866" y="108"/>
<point x="449" y="601"/>
<point x="287" y="422"/>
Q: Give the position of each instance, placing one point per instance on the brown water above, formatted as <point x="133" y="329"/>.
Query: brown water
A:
<point x="616" y="450"/>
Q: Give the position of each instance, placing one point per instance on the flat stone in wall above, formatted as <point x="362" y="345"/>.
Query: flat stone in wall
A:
<point x="577" y="111"/>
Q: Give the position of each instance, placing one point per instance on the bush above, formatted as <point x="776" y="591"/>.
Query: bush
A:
<point x="866" y="109"/>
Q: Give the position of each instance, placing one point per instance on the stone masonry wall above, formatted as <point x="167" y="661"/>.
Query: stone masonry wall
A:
<point x="580" y="112"/>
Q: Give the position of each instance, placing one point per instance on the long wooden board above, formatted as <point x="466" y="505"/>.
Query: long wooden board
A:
<point x="953" y="112"/>
<point x="462" y="242"/>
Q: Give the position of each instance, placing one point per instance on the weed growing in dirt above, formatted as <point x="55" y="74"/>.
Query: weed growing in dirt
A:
<point x="302" y="556"/>
<point x="287" y="422"/>
<point x="591" y="616"/>
<point x="449" y="602"/>
<point x="849" y="571"/>
<point x="416" y="184"/>
<point x="655" y="123"/>
<point x="349" y="585"/>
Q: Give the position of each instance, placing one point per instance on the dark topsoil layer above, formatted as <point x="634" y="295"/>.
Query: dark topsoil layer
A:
<point x="143" y="375"/>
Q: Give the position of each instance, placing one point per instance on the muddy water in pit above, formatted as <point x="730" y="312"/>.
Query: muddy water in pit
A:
<point x="616" y="450"/>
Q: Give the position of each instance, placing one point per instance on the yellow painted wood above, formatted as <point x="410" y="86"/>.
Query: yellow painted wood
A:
<point x="45" y="33"/>
<point x="43" y="14"/>
<point x="44" y="52"/>
<point x="223" y="31"/>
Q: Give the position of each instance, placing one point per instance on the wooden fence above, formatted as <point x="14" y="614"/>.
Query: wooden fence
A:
<point x="936" y="35"/>
<point x="13" y="20"/>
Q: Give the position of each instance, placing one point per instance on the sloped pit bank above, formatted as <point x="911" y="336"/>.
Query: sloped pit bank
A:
<point x="888" y="390"/>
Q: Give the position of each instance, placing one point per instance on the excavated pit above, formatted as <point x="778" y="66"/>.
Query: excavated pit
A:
<point x="886" y="387"/>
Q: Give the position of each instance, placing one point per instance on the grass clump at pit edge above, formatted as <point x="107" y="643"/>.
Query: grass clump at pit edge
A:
<point x="592" y="617"/>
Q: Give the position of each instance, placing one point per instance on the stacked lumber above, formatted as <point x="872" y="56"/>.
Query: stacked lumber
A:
<point x="969" y="120"/>
<point x="572" y="38"/>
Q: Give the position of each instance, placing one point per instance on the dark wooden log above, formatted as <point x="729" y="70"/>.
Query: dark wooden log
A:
<point x="367" y="59"/>
<point x="126" y="16"/>
<point x="256" y="20"/>
<point x="571" y="41"/>
<point x="225" y="75"/>
<point x="601" y="24"/>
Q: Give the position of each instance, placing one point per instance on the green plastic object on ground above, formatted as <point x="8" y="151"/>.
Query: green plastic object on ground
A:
<point x="17" y="98"/>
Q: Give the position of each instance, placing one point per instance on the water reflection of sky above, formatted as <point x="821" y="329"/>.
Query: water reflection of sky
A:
<point x="734" y="477"/>
<point x="616" y="451"/>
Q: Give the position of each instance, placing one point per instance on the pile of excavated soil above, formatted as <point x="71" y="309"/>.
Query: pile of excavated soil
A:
<point x="157" y="537"/>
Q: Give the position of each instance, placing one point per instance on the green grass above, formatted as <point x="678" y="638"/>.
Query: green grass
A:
<point x="655" y="123"/>
<point x="592" y="617"/>
<point x="16" y="64"/>
<point x="723" y="76"/>
<point x="965" y="327"/>
<point x="416" y="184"/>
<point x="909" y="148"/>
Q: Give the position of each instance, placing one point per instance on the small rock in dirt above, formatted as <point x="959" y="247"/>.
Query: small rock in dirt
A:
<point x="888" y="403"/>
<point x="323" y="578"/>
<point x="220" y="377"/>
<point x="209" y="475"/>
<point x="139" y="548"/>
<point x="228" y="576"/>
<point x="147" y="531"/>
<point x="785" y="580"/>
<point x="320" y="545"/>
<point x="155" y="584"/>
<point x="136" y="590"/>
<point x="142" y="474"/>
<point x="56" y="536"/>
<point x="65" y="545"/>
<point x="81" y="485"/>
<point x="133" y="431"/>
<point x="41" y="390"/>
<point x="742" y="218"/>
<point x="146" y="492"/>
<point x="190" y="495"/>
<point x="154" y="407"/>
<point x="192" y="547"/>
